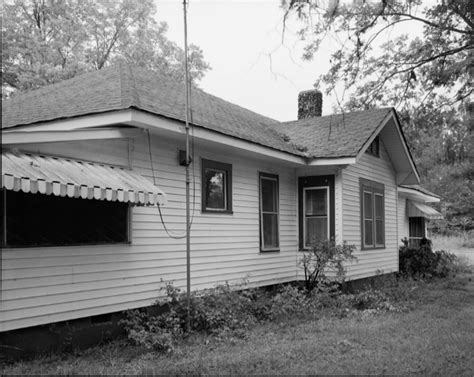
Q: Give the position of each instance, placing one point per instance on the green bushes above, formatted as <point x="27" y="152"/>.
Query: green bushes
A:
<point x="230" y="311"/>
<point x="226" y="312"/>
<point x="422" y="261"/>
<point x="219" y="311"/>
<point x="326" y="258"/>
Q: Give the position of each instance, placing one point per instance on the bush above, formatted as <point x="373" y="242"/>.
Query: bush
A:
<point x="421" y="261"/>
<point x="325" y="257"/>
<point x="289" y="299"/>
<point x="152" y="332"/>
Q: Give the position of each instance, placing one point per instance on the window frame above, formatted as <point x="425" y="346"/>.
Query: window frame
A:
<point x="316" y="181"/>
<point x="374" y="189"/>
<point x="217" y="166"/>
<point x="416" y="223"/>
<point x="273" y="177"/>
<point x="328" y="212"/>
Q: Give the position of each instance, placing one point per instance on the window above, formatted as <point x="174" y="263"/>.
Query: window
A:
<point x="417" y="232"/>
<point x="47" y="220"/>
<point x="269" y="212"/>
<point x="316" y="209"/>
<point x="372" y="214"/>
<point x="316" y="214"/>
<point x="374" y="147"/>
<point x="216" y="187"/>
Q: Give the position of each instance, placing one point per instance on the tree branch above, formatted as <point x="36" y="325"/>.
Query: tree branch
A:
<point x="432" y="24"/>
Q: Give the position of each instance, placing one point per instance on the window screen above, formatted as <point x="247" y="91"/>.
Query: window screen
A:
<point x="316" y="216"/>
<point x="47" y="220"/>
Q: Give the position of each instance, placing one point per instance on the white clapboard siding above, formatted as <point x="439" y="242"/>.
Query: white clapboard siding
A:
<point x="378" y="169"/>
<point x="49" y="284"/>
<point x="403" y="226"/>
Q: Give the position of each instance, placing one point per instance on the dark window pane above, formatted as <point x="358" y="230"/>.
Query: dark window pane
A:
<point x="269" y="195"/>
<point x="316" y="202"/>
<point x="47" y="220"/>
<point x="368" y="236"/>
<point x="316" y="229"/>
<point x="374" y="147"/>
<point x="416" y="227"/>
<point x="379" y="204"/>
<point x="215" y="189"/>
<point x="270" y="230"/>
<point x="368" y="205"/>
<point x="379" y="232"/>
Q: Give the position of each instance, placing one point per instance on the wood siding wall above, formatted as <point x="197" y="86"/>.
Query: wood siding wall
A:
<point x="403" y="225"/>
<point x="378" y="169"/>
<point x="49" y="284"/>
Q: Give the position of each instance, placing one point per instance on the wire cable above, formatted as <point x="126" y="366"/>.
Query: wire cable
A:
<point x="169" y="233"/>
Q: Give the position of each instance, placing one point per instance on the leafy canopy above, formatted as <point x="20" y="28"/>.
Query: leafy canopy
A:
<point x="377" y="61"/>
<point x="46" y="41"/>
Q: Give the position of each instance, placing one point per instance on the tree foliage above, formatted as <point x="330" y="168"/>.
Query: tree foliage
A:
<point x="45" y="41"/>
<point x="381" y="63"/>
<point x="425" y="75"/>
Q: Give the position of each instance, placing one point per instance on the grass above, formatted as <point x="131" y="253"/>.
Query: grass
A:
<point x="435" y="337"/>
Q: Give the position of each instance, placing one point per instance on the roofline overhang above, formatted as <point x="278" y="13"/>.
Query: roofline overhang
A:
<point x="391" y="115"/>
<point x="331" y="161"/>
<point x="418" y="195"/>
<point x="10" y="137"/>
<point x="104" y="126"/>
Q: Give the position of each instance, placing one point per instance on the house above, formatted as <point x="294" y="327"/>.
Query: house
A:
<point x="93" y="193"/>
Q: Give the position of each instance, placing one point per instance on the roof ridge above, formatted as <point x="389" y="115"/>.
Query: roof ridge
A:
<point x="329" y="116"/>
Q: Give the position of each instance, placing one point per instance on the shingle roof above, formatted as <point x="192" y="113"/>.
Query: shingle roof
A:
<point x="123" y="86"/>
<point x="340" y="135"/>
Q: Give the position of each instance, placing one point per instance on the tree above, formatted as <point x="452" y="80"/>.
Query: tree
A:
<point x="45" y="41"/>
<point x="426" y="77"/>
<point x="401" y="68"/>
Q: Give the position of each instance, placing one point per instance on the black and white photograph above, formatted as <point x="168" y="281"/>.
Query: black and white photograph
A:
<point x="237" y="187"/>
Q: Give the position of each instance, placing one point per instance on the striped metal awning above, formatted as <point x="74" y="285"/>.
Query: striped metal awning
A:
<point x="32" y="173"/>
<point x="416" y="209"/>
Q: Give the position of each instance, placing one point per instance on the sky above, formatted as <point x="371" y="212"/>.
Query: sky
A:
<point x="250" y="66"/>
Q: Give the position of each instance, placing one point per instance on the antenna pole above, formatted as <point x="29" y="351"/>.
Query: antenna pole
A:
<point x="188" y="181"/>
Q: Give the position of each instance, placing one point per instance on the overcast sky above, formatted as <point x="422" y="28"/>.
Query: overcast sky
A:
<point x="251" y="66"/>
<point x="238" y="38"/>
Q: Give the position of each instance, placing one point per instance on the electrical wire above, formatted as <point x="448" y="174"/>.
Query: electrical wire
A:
<point x="169" y="233"/>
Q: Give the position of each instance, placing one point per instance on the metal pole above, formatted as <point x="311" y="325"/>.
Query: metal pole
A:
<point x="188" y="212"/>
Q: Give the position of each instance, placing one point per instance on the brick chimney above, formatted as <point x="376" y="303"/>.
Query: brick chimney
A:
<point x="310" y="104"/>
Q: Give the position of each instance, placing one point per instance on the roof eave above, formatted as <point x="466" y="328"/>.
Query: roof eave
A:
<point x="419" y="195"/>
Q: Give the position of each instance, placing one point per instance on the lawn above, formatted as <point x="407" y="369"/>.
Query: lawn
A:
<point x="434" y="336"/>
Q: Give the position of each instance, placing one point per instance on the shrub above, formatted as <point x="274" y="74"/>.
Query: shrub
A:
<point x="289" y="299"/>
<point x="152" y="332"/>
<point x="421" y="261"/>
<point x="325" y="257"/>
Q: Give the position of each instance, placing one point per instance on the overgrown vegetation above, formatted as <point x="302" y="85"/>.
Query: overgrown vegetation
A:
<point x="422" y="261"/>
<point x="229" y="312"/>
